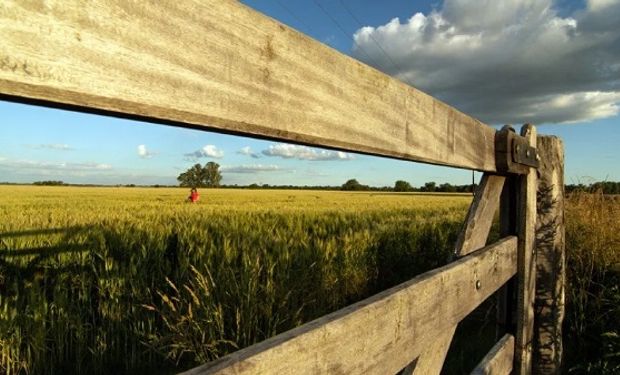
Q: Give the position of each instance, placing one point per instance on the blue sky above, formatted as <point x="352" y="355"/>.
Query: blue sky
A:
<point x="555" y="64"/>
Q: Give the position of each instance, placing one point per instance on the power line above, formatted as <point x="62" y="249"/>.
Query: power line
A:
<point x="287" y="9"/>
<point x="371" y="37"/>
<point x="344" y="32"/>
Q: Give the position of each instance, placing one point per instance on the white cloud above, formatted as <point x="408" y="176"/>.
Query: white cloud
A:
<point x="247" y="150"/>
<point x="510" y="61"/>
<point x="51" y="146"/>
<point x="208" y="151"/>
<point x="288" y="151"/>
<point x="253" y="168"/>
<point x="582" y="106"/>
<point x="599" y="5"/>
<point x="53" y="165"/>
<point x="144" y="153"/>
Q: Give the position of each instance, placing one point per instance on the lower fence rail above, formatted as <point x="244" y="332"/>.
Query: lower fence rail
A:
<point x="383" y="333"/>
<point x="499" y="359"/>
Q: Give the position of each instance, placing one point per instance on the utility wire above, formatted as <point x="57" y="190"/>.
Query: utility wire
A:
<point x="345" y="33"/>
<point x="289" y="11"/>
<point x="371" y="37"/>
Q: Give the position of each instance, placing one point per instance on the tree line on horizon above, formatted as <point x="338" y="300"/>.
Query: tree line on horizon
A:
<point x="209" y="176"/>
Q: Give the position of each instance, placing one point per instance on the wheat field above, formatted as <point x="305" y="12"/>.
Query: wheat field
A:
<point x="132" y="279"/>
<point x="137" y="280"/>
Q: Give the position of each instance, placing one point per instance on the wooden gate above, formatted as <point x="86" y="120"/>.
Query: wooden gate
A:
<point x="218" y="65"/>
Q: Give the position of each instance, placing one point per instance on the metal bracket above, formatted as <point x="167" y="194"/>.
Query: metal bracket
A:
<point x="513" y="154"/>
<point x="523" y="153"/>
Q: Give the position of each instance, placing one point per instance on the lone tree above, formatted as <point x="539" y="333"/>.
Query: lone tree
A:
<point x="199" y="176"/>
<point x="401" y="185"/>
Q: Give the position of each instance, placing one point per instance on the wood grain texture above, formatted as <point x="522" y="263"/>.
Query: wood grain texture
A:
<point x="480" y="216"/>
<point x="506" y="295"/>
<point x="472" y="237"/>
<point x="499" y="359"/>
<point x="432" y="358"/>
<point x="550" y="258"/>
<point x="526" y="275"/>
<point x="383" y="333"/>
<point x="219" y="65"/>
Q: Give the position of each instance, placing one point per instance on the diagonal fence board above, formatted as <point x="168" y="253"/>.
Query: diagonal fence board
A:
<point x="432" y="358"/>
<point x="472" y="237"/>
<point x="219" y="65"/>
<point x="383" y="333"/>
<point x="480" y="216"/>
<point x="499" y="359"/>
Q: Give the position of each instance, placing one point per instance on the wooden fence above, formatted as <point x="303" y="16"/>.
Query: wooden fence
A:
<point x="218" y="65"/>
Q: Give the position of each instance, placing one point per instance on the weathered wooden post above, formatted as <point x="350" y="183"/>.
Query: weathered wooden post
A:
<point x="526" y="268"/>
<point x="550" y="261"/>
<point x="517" y="156"/>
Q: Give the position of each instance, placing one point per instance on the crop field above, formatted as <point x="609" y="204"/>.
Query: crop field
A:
<point x="130" y="280"/>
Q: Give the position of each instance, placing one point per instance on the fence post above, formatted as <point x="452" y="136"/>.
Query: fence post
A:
<point x="526" y="268"/>
<point x="507" y="227"/>
<point x="550" y="262"/>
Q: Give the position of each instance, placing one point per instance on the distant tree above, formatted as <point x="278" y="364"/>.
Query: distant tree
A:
<point x="429" y="187"/>
<point x="401" y="185"/>
<point x="605" y="187"/>
<point x="447" y="188"/>
<point x="213" y="175"/>
<point x="199" y="176"/>
<point x="191" y="177"/>
<point x="353" y="185"/>
<point x="49" y="183"/>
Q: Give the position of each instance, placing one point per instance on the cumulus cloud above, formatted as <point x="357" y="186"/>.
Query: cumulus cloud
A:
<point x="144" y="153"/>
<point x="208" y="151"/>
<point x="254" y="168"/>
<point x="288" y="151"/>
<point x="510" y="61"/>
<point x="51" y="146"/>
<point x="247" y="151"/>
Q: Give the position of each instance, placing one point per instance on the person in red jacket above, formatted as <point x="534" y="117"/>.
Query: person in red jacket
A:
<point x="193" y="196"/>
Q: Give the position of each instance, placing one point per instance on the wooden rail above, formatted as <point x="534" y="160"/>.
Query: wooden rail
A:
<point x="385" y="332"/>
<point x="218" y="65"/>
<point x="499" y="360"/>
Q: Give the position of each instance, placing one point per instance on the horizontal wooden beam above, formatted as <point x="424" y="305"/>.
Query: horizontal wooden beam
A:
<point x="383" y="333"/>
<point x="499" y="359"/>
<point x="219" y="65"/>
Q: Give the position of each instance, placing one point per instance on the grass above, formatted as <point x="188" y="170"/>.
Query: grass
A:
<point x="592" y="325"/>
<point x="132" y="280"/>
<point x="135" y="280"/>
